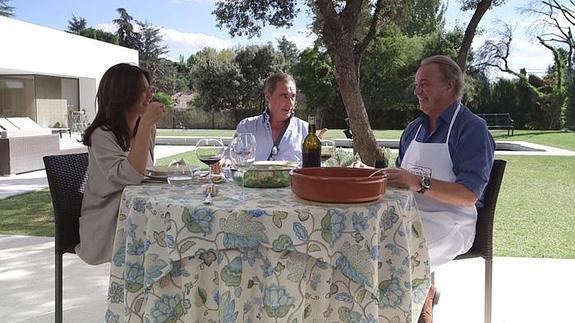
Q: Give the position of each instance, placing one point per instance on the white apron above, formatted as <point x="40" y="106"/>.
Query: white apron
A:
<point x="449" y="229"/>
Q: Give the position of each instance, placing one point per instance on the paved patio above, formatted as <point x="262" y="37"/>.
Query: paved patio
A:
<point x="525" y="290"/>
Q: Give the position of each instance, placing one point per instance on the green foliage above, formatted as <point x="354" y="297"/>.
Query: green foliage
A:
<point x="387" y="77"/>
<point x="289" y="53"/>
<point x="167" y="76"/>
<point x="5" y="9"/>
<point x="150" y="44"/>
<point x="256" y="64"/>
<point x="164" y="98"/>
<point x="315" y="77"/>
<point x="100" y="35"/>
<point x="233" y="80"/>
<point x="467" y="5"/>
<point x="570" y="108"/>
<point x="77" y="24"/>
<point x="217" y="82"/>
<point x="426" y="17"/>
<point x="249" y="16"/>
<point x="127" y="37"/>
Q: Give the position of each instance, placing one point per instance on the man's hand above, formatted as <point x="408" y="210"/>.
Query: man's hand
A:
<point x="399" y="177"/>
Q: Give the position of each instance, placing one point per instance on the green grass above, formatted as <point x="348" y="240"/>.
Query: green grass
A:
<point x="555" y="138"/>
<point x="28" y="214"/>
<point x="534" y="217"/>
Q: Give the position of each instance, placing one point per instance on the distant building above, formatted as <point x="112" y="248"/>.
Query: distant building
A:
<point x="46" y="74"/>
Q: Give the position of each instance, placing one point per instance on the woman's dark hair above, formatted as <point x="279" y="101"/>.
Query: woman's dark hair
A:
<point x="120" y="88"/>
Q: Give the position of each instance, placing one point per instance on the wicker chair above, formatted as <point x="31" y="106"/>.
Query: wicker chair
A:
<point x="483" y="243"/>
<point x="66" y="175"/>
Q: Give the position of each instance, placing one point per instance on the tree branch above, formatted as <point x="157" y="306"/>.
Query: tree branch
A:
<point x="350" y="15"/>
<point x="482" y="7"/>
<point x="360" y="49"/>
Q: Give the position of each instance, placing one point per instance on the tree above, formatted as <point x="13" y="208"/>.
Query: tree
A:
<point x="210" y="72"/>
<point x="552" y="99"/>
<point x="76" y="24"/>
<point x="127" y="37"/>
<point x="289" y="52"/>
<point x="100" y="35"/>
<point x="315" y="77"/>
<point x="426" y="17"/>
<point x="256" y="64"/>
<point x="481" y="7"/>
<point x="339" y="24"/>
<point x="5" y="9"/>
<point x="556" y="23"/>
<point x="151" y="46"/>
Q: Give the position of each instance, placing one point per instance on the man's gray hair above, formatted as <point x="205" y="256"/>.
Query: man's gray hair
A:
<point x="450" y="71"/>
<point x="272" y="81"/>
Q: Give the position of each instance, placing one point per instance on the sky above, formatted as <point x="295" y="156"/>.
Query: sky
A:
<point x="188" y="25"/>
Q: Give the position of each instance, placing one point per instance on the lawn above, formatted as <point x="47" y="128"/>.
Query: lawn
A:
<point x="534" y="215"/>
<point x="555" y="138"/>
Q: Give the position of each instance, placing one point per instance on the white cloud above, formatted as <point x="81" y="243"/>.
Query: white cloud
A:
<point x="303" y="38"/>
<point x="181" y="43"/>
<point x="109" y="27"/>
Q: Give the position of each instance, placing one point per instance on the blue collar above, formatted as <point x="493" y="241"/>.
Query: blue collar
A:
<point x="445" y="117"/>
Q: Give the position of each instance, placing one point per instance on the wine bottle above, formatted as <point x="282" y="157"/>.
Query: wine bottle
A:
<point x="311" y="147"/>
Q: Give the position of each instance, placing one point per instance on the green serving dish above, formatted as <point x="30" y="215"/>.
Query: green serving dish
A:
<point x="265" y="176"/>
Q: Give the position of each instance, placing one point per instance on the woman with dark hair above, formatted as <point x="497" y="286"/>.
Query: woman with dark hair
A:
<point x="120" y="144"/>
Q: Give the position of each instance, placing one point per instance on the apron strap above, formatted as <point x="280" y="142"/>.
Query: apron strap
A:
<point x="451" y="123"/>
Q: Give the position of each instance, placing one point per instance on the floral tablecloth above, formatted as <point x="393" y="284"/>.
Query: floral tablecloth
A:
<point x="274" y="257"/>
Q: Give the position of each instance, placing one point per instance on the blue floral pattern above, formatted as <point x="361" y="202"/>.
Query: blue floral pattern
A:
<point x="274" y="257"/>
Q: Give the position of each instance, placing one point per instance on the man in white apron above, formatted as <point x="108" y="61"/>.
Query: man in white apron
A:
<point x="445" y="155"/>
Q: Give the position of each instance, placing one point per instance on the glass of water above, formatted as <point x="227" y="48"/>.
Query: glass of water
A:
<point x="180" y="173"/>
<point x="243" y="155"/>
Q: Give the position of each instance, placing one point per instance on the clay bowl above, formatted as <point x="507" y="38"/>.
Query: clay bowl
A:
<point x="337" y="184"/>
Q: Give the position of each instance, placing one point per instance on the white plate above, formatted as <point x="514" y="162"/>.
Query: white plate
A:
<point x="281" y="163"/>
<point x="164" y="171"/>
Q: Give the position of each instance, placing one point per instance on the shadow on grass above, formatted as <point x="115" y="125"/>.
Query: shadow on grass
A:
<point x="27" y="214"/>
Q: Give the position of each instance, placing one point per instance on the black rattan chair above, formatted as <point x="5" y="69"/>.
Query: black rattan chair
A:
<point x="483" y="243"/>
<point x="65" y="177"/>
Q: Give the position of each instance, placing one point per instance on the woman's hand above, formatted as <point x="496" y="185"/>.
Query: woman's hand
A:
<point x="154" y="112"/>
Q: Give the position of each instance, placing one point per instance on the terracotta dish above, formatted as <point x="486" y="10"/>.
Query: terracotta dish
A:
<point x="337" y="184"/>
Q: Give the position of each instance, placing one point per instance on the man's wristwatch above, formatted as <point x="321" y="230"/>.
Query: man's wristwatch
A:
<point x="425" y="184"/>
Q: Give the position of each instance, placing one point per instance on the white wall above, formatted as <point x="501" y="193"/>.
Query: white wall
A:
<point x="32" y="49"/>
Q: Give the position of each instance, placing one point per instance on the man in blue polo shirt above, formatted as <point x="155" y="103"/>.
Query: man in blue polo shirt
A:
<point x="445" y="155"/>
<point x="278" y="132"/>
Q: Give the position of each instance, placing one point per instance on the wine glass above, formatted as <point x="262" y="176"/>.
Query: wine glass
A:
<point x="327" y="150"/>
<point x="243" y="155"/>
<point x="210" y="151"/>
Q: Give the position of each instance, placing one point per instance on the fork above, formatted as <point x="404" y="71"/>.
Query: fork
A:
<point x="210" y="191"/>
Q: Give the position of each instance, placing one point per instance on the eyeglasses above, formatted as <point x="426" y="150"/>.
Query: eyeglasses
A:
<point x="273" y="153"/>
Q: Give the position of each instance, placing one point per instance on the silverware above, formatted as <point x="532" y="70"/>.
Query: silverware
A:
<point x="210" y="190"/>
<point x="208" y="199"/>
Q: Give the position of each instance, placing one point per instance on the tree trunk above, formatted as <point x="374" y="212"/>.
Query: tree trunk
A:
<point x="339" y="40"/>
<point x="482" y="7"/>
<point x="363" y="139"/>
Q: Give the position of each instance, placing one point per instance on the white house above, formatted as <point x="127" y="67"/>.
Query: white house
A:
<point x="46" y="74"/>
